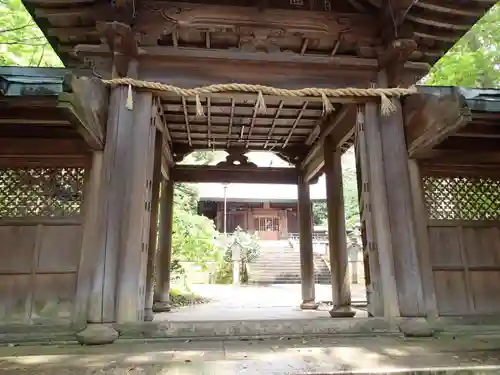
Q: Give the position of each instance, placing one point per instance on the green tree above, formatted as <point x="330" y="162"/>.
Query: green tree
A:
<point x="319" y="212"/>
<point x="193" y="235"/>
<point x="21" y="41"/>
<point x="475" y="60"/>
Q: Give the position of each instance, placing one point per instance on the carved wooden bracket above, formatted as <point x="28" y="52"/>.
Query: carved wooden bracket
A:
<point x="236" y="158"/>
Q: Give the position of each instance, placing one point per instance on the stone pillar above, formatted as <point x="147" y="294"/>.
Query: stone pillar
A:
<point x="306" y="246"/>
<point x="162" y="287"/>
<point x="338" y="257"/>
<point x="153" y="232"/>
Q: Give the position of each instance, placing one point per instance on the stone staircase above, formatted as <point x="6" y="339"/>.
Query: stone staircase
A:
<point x="279" y="263"/>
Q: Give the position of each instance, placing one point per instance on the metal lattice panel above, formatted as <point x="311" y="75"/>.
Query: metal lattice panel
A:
<point x="40" y="192"/>
<point x="462" y="198"/>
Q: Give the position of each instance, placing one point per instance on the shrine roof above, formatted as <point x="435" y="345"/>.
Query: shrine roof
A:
<point x="38" y="110"/>
<point x="351" y="28"/>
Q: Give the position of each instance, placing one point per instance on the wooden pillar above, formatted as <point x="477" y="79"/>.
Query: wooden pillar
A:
<point x="306" y="246"/>
<point x="284" y="220"/>
<point x="116" y="159"/>
<point x="339" y="263"/>
<point x="401" y="213"/>
<point x="135" y="222"/>
<point x="153" y="229"/>
<point x="89" y="251"/>
<point x="379" y="210"/>
<point x="162" y="287"/>
<point x="423" y="247"/>
<point x="105" y="230"/>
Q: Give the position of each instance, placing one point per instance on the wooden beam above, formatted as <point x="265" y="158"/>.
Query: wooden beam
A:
<point x="91" y="99"/>
<point x="449" y="8"/>
<point x="166" y="53"/>
<point x="313" y="169"/>
<point x="295" y="123"/>
<point x="430" y="119"/>
<point x="47" y="147"/>
<point x="460" y="157"/>
<point x="190" y="173"/>
<point x="78" y="119"/>
<point x="339" y="119"/>
<point x="42" y="117"/>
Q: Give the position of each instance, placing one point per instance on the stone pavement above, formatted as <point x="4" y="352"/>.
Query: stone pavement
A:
<point x="286" y="356"/>
<point x="250" y="302"/>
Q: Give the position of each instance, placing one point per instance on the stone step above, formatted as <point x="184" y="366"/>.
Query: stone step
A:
<point x="257" y="328"/>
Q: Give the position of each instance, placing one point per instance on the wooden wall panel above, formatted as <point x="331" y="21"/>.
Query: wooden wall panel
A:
<point x="451" y="292"/>
<point x="444" y="246"/>
<point x="38" y="268"/>
<point x="485" y="287"/>
<point x="482" y="246"/>
<point x="60" y="249"/>
<point x="15" y="297"/>
<point x="53" y="296"/>
<point x="16" y="248"/>
<point x="465" y="259"/>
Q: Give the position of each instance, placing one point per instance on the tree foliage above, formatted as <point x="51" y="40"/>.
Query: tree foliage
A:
<point x="475" y="60"/>
<point x="21" y="41"/>
<point x="193" y="236"/>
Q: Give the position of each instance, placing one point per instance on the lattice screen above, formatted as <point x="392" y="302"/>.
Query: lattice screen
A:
<point x="462" y="198"/>
<point x="40" y="192"/>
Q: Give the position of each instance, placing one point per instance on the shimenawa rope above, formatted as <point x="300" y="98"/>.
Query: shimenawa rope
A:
<point x="386" y="105"/>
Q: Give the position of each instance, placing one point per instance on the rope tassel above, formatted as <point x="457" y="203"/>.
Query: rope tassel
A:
<point x="130" y="100"/>
<point x="386" y="105"/>
<point x="327" y="104"/>
<point x="199" y="107"/>
<point x="260" y="104"/>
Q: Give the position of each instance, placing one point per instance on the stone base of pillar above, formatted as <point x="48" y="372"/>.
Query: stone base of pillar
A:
<point x="416" y="327"/>
<point x="342" y="312"/>
<point x="309" y="305"/>
<point x="148" y="315"/>
<point x="159" y="307"/>
<point x="97" y="334"/>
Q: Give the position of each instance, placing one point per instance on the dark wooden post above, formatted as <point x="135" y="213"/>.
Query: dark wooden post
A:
<point x="135" y="221"/>
<point x="341" y="292"/>
<point x="421" y="222"/>
<point x="153" y="229"/>
<point x="162" y="287"/>
<point x="89" y="253"/>
<point x="401" y="212"/>
<point x="107" y="227"/>
<point x="306" y="246"/>
<point x="379" y="210"/>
